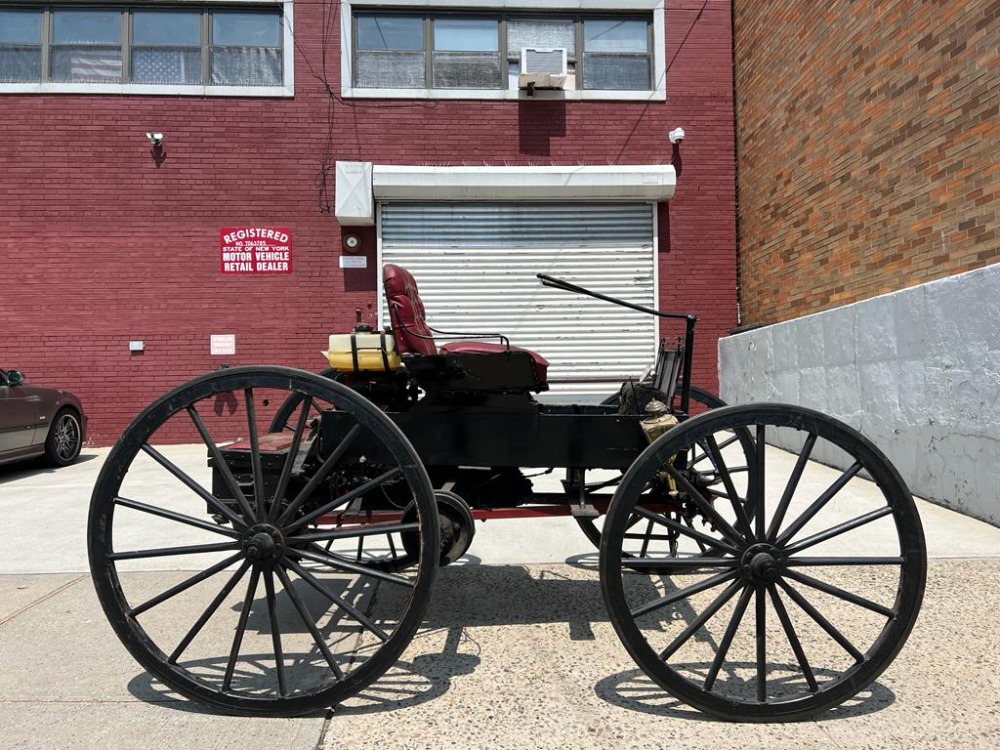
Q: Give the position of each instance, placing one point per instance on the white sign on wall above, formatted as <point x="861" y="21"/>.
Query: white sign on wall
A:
<point x="353" y="261"/>
<point x="223" y="344"/>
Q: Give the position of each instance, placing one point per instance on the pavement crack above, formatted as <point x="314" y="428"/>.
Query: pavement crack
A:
<point x="32" y="605"/>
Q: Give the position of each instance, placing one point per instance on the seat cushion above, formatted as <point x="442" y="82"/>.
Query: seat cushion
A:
<point x="485" y="347"/>
<point x="406" y="312"/>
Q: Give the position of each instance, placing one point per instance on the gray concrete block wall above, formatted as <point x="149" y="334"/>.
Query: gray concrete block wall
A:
<point x="917" y="371"/>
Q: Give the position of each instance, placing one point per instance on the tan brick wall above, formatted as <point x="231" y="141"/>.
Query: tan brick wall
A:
<point x="868" y="148"/>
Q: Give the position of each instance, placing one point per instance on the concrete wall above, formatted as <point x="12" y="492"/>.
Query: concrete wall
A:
<point x="917" y="371"/>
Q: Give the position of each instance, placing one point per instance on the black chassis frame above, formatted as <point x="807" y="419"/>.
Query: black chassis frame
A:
<point x="487" y="422"/>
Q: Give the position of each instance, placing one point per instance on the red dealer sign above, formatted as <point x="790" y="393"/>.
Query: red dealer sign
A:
<point x="250" y="250"/>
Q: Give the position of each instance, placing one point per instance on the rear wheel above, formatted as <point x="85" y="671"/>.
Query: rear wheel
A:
<point x="265" y="610"/>
<point x="780" y="613"/>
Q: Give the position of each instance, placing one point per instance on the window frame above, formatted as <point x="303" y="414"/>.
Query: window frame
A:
<point x="508" y="9"/>
<point x="284" y="89"/>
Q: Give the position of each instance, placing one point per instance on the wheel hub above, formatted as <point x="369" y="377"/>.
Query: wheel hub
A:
<point x="762" y="564"/>
<point x="263" y="543"/>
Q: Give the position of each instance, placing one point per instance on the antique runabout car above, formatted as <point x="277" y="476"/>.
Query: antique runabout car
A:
<point x="759" y="562"/>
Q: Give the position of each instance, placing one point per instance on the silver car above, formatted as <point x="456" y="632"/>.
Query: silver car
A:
<point x="38" y="421"/>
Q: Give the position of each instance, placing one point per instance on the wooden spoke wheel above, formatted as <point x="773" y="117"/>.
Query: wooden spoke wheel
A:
<point x="234" y="588"/>
<point x="796" y="591"/>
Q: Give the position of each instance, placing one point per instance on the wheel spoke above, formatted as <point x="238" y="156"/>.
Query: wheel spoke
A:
<point x="349" y="608"/>
<point x="698" y="622"/>
<point x="241" y="629"/>
<point x="209" y="611"/>
<point x="321" y="474"/>
<point x="822" y="622"/>
<point x="688" y="564"/>
<point x="220" y="507"/>
<point x="727" y="638"/>
<point x="840" y="593"/>
<point x="756" y="497"/>
<point x="724" y="444"/>
<point x="809" y="561"/>
<point x="727" y="480"/>
<point x="712" y="542"/>
<point x="220" y="462"/>
<point x="790" y="487"/>
<point x="760" y="622"/>
<point x="194" y="549"/>
<point x="258" y="470"/>
<point x="178" y="517"/>
<point x="683" y="593"/>
<point x="818" y="505"/>
<point x="837" y="530"/>
<point x="339" y="563"/>
<point x="349" y="533"/>
<point x="184" y="585"/>
<point x="272" y="616"/>
<point x="293" y="452"/>
<point x="646" y="538"/>
<point x="345" y="498"/>
<point x="793" y="639"/>
<point x="308" y="622"/>
<point x="704" y="506"/>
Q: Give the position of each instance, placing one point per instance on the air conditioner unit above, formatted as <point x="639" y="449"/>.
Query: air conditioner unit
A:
<point x="542" y="68"/>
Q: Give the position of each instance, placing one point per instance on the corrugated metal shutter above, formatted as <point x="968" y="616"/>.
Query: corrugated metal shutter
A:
<point x="476" y="265"/>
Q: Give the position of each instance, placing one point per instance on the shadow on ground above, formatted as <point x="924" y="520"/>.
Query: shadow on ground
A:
<point x="469" y="596"/>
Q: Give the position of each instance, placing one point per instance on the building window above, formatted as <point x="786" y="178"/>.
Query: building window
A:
<point x="20" y="45"/>
<point x="615" y="54"/>
<point x="186" y="45"/>
<point x="166" y="46"/>
<point x="460" y="50"/>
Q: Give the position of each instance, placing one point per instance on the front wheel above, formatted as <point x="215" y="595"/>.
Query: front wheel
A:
<point x="248" y="587"/>
<point x="65" y="439"/>
<point x="778" y="613"/>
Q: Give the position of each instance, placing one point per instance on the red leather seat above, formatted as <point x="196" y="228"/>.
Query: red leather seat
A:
<point x="414" y="336"/>
<point x="406" y="311"/>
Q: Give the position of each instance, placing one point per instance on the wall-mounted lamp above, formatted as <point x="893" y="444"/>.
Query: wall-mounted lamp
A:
<point x="676" y="135"/>
<point x="155" y="139"/>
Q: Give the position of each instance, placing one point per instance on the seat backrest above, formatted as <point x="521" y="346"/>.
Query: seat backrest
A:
<point x="406" y="312"/>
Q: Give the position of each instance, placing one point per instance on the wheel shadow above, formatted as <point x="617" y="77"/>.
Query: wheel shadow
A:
<point x="634" y="691"/>
<point x="468" y="596"/>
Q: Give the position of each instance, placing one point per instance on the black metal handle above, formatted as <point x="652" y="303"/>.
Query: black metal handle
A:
<point x="688" y="318"/>
<point x="566" y="286"/>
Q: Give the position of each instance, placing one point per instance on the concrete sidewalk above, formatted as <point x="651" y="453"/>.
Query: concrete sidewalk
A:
<point x="517" y="652"/>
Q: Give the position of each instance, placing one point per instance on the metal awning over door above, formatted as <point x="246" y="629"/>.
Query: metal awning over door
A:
<point x="475" y="264"/>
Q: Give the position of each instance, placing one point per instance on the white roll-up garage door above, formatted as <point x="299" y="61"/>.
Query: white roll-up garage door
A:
<point x="475" y="264"/>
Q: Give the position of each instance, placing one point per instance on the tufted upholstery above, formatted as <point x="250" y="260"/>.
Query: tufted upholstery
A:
<point x="407" y="312"/>
<point x="413" y="336"/>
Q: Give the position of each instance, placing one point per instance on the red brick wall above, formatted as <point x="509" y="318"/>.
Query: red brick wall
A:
<point x="867" y="137"/>
<point x="103" y="246"/>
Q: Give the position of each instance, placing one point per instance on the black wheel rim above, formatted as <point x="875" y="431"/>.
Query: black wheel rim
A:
<point x="284" y="417"/>
<point x="269" y="613"/>
<point x="781" y="603"/>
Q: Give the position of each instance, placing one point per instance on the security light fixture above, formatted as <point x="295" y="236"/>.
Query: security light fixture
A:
<point x="155" y="139"/>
